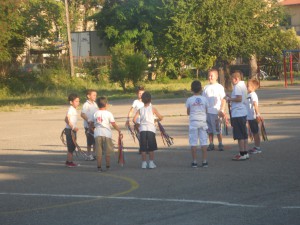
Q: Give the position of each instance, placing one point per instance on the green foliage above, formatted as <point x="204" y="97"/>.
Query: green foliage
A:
<point x="127" y="66"/>
<point x="40" y="19"/>
<point x="10" y="28"/>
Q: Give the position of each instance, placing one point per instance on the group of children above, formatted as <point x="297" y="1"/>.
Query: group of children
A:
<point x="205" y="108"/>
<point x="98" y="121"/>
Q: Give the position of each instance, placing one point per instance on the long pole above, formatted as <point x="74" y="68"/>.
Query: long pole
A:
<point x="69" y="40"/>
<point x="284" y="69"/>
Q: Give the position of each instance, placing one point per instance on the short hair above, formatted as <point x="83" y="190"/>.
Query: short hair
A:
<point x="214" y="70"/>
<point x="146" y="97"/>
<point x="140" y="88"/>
<point x="254" y="83"/>
<point x="72" y="97"/>
<point x="237" y="74"/>
<point x="90" y="91"/>
<point x="196" y="86"/>
<point x="101" y="102"/>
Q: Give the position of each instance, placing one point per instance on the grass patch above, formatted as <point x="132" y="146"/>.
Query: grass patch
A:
<point x="53" y="87"/>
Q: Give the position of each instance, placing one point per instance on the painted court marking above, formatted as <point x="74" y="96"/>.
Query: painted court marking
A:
<point x="147" y="199"/>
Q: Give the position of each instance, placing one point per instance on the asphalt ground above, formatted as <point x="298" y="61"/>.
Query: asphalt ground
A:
<point x="36" y="188"/>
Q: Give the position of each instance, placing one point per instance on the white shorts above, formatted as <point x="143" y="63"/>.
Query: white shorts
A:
<point x="196" y="135"/>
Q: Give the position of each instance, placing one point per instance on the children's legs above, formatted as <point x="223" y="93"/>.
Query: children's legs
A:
<point x="256" y="138"/>
<point x="107" y="159"/>
<point x="245" y="145"/>
<point x="70" y="156"/>
<point x="241" y="143"/>
<point x="220" y="138"/>
<point x="211" y="138"/>
<point x="151" y="155"/>
<point x="88" y="147"/>
<point x="144" y="158"/>
<point x="194" y="153"/>
<point x="204" y="153"/>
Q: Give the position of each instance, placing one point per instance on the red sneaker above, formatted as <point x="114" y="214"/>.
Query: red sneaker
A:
<point x="71" y="164"/>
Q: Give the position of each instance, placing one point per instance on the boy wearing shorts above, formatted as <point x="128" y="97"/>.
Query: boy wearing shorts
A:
<point x="87" y="113"/>
<point x="214" y="94"/>
<point x="197" y="109"/>
<point x="102" y="133"/>
<point x="238" y="101"/>
<point x="147" y="130"/>
<point x="71" y="128"/>
<point x="253" y="115"/>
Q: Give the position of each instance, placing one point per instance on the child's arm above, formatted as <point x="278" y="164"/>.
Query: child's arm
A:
<point x="116" y="127"/>
<point x="256" y="109"/>
<point x="84" y="116"/>
<point x="136" y="116"/>
<point x="154" y="110"/>
<point x="67" y="120"/>
<point x="188" y="111"/>
<point x="128" y="116"/>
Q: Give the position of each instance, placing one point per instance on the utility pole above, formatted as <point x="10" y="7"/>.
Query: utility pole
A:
<point x="69" y="39"/>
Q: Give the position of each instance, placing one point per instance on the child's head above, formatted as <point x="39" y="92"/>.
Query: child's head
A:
<point x="74" y="100"/>
<point x="140" y="91"/>
<point x="236" y="76"/>
<point x="91" y="94"/>
<point x="252" y="85"/>
<point x="101" y="102"/>
<point x="213" y="76"/>
<point x="146" y="97"/>
<point x="196" y="86"/>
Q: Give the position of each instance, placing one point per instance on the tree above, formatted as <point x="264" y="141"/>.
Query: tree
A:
<point x="10" y="28"/>
<point x="44" y="21"/>
<point x="127" y="65"/>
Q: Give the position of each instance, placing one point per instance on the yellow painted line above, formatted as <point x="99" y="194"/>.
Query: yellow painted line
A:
<point x="133" y="186"/>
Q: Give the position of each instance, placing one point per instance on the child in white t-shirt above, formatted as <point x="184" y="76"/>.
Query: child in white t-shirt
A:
<point x="238" y="100"/>
<point x="197" y="110"/>
<point x="103" y="119"/>
<point x="71" y="128"/>
<point x="87" y="113"/>
<point x="136" y="105"/>
<point x="147" y="130"/>
<point x="215" y="96"/>
<point x="253" y="115"/>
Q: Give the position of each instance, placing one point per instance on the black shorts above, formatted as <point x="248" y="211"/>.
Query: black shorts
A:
<point x="253" y="126"/>
<point x="239" y="128"/>
<point x="90" y="140"/>
<point x="70" y="143"/>
<point x="147" y="141"/>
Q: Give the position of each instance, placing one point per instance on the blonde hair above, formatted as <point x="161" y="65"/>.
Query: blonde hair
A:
<point x="254" y="83"/>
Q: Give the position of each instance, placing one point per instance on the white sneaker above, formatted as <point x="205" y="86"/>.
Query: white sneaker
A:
<point x="90" y="158"/>
<point x="144" y="165"/>
<point x="247" y="156"/>
<point x="152" y="165"/>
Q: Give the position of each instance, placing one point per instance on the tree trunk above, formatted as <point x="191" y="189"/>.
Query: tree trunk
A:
<point x="253" y="66"/>
<point x="221" y="76"/>
<point x="228" y="85"/>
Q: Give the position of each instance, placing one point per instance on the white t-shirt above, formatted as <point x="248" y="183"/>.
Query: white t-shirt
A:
<point x="239" y="109"/>
<point x="214" y="93"/>
<point x="89" y="109"/>
<point x="102" y="121"/>
<point x="72" y="113"/>
<point x="147" y="119"/>
<point x="198" y="107"/>
<point x="252" y="97"/>
<point x="136" y="105"/>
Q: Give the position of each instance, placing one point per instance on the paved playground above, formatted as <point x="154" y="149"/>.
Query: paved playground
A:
<point x="37" y="189"/>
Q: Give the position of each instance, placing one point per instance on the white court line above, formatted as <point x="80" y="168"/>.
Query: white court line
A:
<point x="147" y="199"/>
